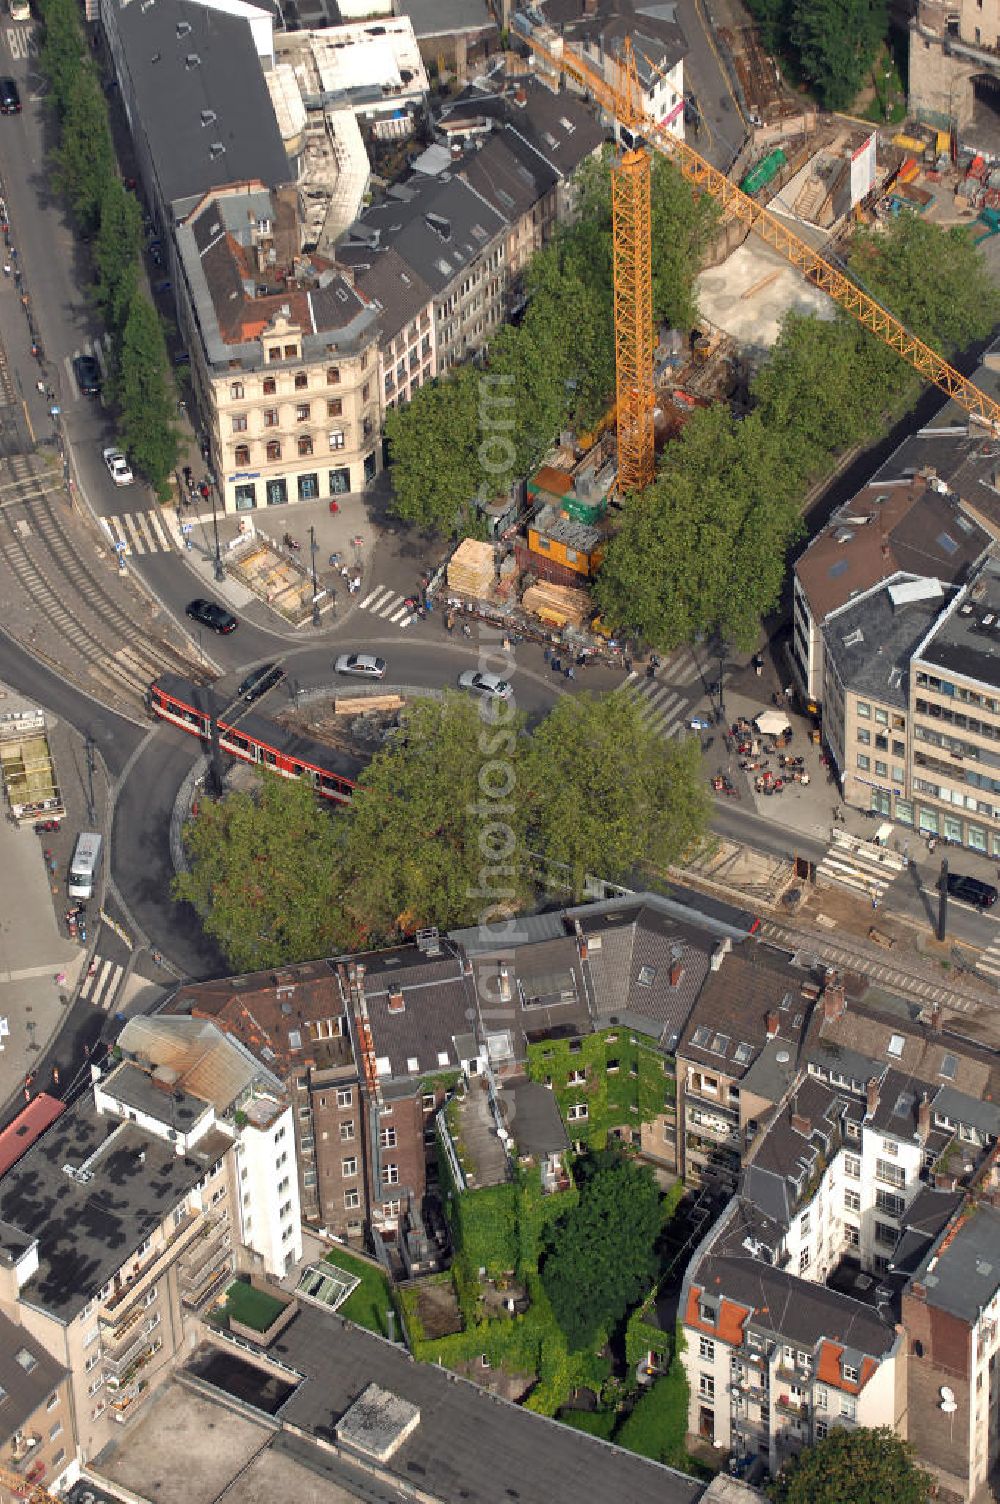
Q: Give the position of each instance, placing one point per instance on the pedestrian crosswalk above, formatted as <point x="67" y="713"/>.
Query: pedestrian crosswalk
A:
<point x="101" y="983"/>
<point x="859" y="865"/>
<point x="663" y="707"/>
<point x="989" y="962"/>
<point x="392" y="608"/>
<point x="141" y="532"/>
<point x="99" y="349"/>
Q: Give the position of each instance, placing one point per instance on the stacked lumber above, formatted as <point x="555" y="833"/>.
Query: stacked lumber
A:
<point x="472" y="569"/>
<point x="559" y="605"/>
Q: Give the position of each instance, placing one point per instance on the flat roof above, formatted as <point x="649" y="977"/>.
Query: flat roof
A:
<point x="962" y="1272"/>
<point x="166" y="1103"/>
<point x="966" y="641"/>
<point x="468" y="1445"/>
<point x="88" y="1224"/>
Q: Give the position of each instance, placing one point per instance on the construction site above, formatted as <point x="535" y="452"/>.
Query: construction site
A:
<point x="789" y="206"/>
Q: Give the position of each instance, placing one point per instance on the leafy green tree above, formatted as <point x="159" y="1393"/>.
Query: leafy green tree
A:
<point x="145" y="393"/>
<point x="608" y="793"/>
<point x="861" y="1466"/>
<point x="773" y="17"/>
<point x="703" y="549"/>
<point x="932" y="278"/>
<point x="435" y="832"/>
<point x="63" y="51"/>
<point x="433" y="444"/>
<point x="264" y="875"/>
<point x="657" y="1424"/>
<point x="86" y="159"/>
<point x="600" y="1257"/>
<point x="837" y="42"/>
<point x="116" y="252"/>
<point x="683" y="223"/>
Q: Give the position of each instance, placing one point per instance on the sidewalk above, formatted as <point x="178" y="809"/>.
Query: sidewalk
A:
<point x="34" y="947"/>
<point x="334" y="534"/>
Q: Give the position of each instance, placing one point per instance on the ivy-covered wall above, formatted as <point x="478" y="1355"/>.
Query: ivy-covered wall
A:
<point x="627" y="1081"/>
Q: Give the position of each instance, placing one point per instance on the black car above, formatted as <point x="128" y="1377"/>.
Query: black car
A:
<point x="971" y="890"/>
<point x="209" y="614"/>
<point x="259" y="681"/>
<point x="88" y="375"/>
<point x="10" y="99"/>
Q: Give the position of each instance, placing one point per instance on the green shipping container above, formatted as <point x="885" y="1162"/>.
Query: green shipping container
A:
<point x="764" y="171"/>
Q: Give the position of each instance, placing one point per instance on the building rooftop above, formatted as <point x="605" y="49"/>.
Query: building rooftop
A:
<point x="924" y="1220"/>
<point x="655" y="30"/>
<point x="197" y="1056"/>
<point x="207" y="116"/>
<point x="533" y="1118"/>
<point x="468" y="1445"/>
<point x="966" y="640"/>
<point x="728" y="1025"/>
<point x="418" y="1006"/>
<point x="439" y="226"/>
<point x="888" y="528"/>
<point x="445" y="18"/>
<point x="289" y="1019"/>
<point x="124" y="1182"/>
<point x="561" y="129"/>
<point x="961" y="1274"/>
<point x="872" y="640"/>
<point x="804" y="1131"/>
<point x="551" y="523"/>
<point x="158" y="1098"/>
<point x="28" y="1376"/>
<point x="390" y="286"/>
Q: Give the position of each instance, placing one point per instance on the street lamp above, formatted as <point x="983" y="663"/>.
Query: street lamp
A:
<point x="312" y="548"/>
<point x="220" y="573"/>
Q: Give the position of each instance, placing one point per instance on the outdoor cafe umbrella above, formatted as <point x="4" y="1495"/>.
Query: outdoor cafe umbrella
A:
<point x="772" y="723"/>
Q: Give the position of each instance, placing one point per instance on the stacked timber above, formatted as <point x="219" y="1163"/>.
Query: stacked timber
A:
<point x="472" y="569"/>
<point x="558" y="605"/>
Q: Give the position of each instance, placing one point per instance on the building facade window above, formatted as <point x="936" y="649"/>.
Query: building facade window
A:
<point x="273" y="450"/>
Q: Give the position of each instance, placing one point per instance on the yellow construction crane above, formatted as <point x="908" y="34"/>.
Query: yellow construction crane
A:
<point x="630" y="197"/>
<point x="21" y="1490"/>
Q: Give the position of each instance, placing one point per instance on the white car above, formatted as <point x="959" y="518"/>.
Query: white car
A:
<point x="490" y="685"/>
<point x="118" y="467"/>
<point x="363" y="665"/>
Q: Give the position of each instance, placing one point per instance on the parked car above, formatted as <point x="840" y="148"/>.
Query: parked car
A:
<point x="362" y="665"/>
<point x="210" y="614"/>
<point x="88" y="375"/>
<point x="490" y="685"/>
<point x="971" y="890"/>
<point x="118" y="467"/>
<point x="10" y="99"/>
<point x="259" y="681"/>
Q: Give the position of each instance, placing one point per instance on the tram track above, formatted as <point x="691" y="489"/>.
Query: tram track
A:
<point x="115" y="656"/>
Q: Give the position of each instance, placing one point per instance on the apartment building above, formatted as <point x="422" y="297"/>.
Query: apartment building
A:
<point x="906" y="527"/>
<point x="105" y="1228"/>
<point x="955" y="715"/>
<point x="294" y="1022"/>
<point x="738" y="1055"/>
<point x="775" y="1362"/>
<point x="37" y="1436"/>
<point x="283" y="351"/>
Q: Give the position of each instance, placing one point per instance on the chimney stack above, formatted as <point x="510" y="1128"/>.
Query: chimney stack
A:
<point x="676" y="972"/>
<point x="937" y="1019"/>
<point x="924" y="1119"/>
<point x="834" y="998"/>
<point x="873" y="1096"/>
<point x="801" y="1124"/>
<point x="773" y="1024"/>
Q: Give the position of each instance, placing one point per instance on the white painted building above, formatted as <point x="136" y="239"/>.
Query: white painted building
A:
<point x="270" y="1218"/>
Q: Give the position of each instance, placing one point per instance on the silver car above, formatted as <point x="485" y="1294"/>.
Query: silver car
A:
<point x="490" y="685"/>
<point x="361" y="665"/>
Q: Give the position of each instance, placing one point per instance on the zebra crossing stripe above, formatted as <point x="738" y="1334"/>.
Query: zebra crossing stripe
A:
<point x="407" y="623"/>
<point x="156" y="527"/>
<point x="379" y="593"/>
<point x="387" y="607"/>
<point x="400" y="613"/>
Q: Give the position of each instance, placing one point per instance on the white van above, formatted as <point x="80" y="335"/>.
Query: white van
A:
<point x="83" y="867"/>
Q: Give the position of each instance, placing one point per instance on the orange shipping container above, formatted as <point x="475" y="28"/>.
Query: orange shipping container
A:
<point x="909" y="170"/>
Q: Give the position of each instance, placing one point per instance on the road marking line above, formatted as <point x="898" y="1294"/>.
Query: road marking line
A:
<point x="107" y="994"/>
<point x="369" y="601"/>
<point x="157" y="527"/>
<point x="632" y="675"/>
<point x="401" y="612"/>
<point x="392" y="604"/>
<point x="673" y="730"/>
<point x="134" y="536"/>
<point x="95" y="981"/>
<point x="100" y="357"/>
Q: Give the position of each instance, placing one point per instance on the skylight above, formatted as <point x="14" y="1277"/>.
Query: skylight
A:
<point x="948" y="1066"/>
<point x="701" y="1036"/>
<point x="895" y="1046"/>
<point x="744" y="1053"/>
<point x="720" y="1044"/>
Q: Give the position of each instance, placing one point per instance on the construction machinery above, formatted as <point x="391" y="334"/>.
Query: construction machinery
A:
<point x="19" y="1491"/>
<point x="620" y="97"/>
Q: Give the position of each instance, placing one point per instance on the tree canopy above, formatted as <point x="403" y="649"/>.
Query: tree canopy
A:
<point x="606" y="790"/>
<point x="443" y="828"/>
<point x="831" y="43"/>
<point x="600" y="1257"/>
<point x="861" y="1466"/>
<point x="263" y="875"/>
<point x="703" y="549"/>
<point x="474" y="432"/>
<point x="145" y="393"/>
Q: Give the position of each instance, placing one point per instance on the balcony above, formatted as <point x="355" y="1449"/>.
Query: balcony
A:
<point x="119" y="1362"/>
<point x="25" y="1446"/>
<point x="792" y="1407"/>
<point x="204" y="1251"/>
<point x="123" y="1384"/>
<point x="138" y="1282"/>
<point x="127" y="1405"/>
